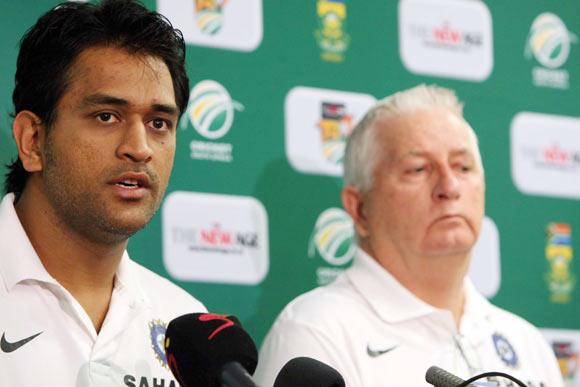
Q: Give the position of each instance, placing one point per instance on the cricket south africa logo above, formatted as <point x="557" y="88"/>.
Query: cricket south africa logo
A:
<point x="211" y="109"/>
<point x="209" y="15"/>
<point x="333" y="239"/>
<point x="549" y="42"/>
<point x="210" y="112"/>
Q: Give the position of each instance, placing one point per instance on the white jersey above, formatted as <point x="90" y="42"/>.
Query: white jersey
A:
<point x="377" y="333"/>
<point x="47" y="339"/>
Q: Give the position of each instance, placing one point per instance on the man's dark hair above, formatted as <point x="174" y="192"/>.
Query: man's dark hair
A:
<point x="51" y="46"/>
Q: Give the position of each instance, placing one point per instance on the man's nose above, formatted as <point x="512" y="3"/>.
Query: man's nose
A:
<point x="134" y="144"/>
<point x="447" y="186"/>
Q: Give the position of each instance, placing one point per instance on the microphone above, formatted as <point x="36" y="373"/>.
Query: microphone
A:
<point x="308" y="372"/>
<point x="213" y="350"/>
<point x="438" y="377"/>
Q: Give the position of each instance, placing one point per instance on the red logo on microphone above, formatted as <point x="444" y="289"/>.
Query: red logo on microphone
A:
<point x="210" y="317"/>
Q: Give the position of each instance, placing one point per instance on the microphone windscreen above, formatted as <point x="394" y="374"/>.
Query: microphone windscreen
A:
<point x="198" y="345"/>
<point x="308" y="372"/>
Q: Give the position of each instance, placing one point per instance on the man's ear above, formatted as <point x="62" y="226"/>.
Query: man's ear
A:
<point x="353" y="203"/>
<point x="29" y="134"/>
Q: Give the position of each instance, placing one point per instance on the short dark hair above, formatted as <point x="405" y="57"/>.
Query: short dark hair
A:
<point x="50" y="47"/>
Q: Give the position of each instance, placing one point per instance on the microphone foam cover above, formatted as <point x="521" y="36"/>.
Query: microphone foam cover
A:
<point x="198" y="345"/>
<point x="308" y="372"/>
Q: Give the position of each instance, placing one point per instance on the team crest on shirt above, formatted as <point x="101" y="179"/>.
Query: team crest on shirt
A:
<point x="157" y="330"/>
<point x="505" y="350"/>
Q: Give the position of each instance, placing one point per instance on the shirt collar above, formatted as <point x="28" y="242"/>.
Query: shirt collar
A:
<point x="20" y="262"/>
<point x="393" y="302"/>
<point x="18" y="259"/>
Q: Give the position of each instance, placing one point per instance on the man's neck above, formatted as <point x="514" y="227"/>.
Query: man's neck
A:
<point x="438" y="281"/>
<point x="83" y="267"/>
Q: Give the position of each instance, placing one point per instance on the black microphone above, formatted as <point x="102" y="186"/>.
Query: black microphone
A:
<point x="438" y="377"/>
<point x="205" y="349"/>
<point x="307" y="372"/>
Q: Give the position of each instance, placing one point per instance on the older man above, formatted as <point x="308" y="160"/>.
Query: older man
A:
<point x="414" y="187"/>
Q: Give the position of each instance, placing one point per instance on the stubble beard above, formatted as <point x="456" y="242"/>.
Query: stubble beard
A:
<point x="83" y="211"/>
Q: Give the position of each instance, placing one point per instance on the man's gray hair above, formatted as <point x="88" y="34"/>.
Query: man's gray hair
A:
<point x="361" y="150"/>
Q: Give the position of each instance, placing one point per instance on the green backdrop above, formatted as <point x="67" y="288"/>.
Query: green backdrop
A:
<point x="288" y="55"/>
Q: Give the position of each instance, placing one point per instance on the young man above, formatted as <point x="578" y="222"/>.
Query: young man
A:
<point x="99" y="90"/>
<point x="414" y="187"/>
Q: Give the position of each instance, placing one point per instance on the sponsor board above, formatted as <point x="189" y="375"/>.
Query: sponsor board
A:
<point x="228" y="24"/>
<point x="485" y="266"/>
<point x="545" y="154"/>
<point x="215" y="238"/>
<point x="446" y="38"/>
<point x="317" y="124"/>
<point x="566" y="346"/>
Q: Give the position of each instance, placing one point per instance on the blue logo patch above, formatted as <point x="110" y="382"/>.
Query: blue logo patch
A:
<point x="157" y="330"/>
<point x="505" y="350"/>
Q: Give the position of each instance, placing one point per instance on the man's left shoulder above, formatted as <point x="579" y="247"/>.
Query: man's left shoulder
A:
<point x="164" y="294"/>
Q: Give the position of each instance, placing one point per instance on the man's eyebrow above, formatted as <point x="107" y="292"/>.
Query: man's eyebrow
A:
<point x="105" y="99"/>
<point x="164" y="108"/>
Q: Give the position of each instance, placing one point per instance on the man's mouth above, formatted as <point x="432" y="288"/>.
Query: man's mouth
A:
<point x="129" y="184"/>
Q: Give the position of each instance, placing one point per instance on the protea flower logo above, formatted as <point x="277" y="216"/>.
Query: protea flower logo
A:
<point x="210" y="110"/>
<point x="333" y="237"/>
<point x="209" y="15"/>
<point x="549" y="40"/>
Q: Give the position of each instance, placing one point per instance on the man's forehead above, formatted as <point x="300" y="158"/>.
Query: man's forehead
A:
<point x="422" y="132"/>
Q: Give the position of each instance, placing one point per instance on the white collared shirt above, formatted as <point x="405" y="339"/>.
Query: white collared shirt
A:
<point x="375" y="332"/>
<point x="128" y="350"/>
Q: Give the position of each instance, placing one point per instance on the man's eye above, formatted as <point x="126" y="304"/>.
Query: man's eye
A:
<point x="160" y="124"/>
<point x="105" y="117"/>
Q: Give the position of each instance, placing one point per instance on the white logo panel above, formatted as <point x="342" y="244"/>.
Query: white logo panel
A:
<point x="317" y="124"/>
<point x="485" y="267"/>
<point x="233" y="24"/>
<point x="215" y="238"/>
<point x="545" y="154"/>
<point x="446" y="38"/>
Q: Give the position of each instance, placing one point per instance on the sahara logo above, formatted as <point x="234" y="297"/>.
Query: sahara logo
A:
<point x="226" y="24"/>
<point x="331" y="33"/>
<point x="549" y="43"/>
<point x="335" y="127"/>
<point x="559" y="254"/>
<point x="210" y="112"/>
<point x="333" y="239"/>
<point x="209" y="15"/>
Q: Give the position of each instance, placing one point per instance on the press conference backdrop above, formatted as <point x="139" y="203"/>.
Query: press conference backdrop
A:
<point x="252" y="216"/>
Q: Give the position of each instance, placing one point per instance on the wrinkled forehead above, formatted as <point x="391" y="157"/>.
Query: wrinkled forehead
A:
<point x="436" y="131"/>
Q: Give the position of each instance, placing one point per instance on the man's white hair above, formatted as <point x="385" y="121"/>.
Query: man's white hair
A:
<point x="361" y="150"/>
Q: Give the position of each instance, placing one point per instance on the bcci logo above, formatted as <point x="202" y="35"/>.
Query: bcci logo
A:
<point x="209" y="15"/>
<point x="332" y="237"/>
<point x="210" y="110"/>
<point x="157" y="330"/>
<point x="335" y="126"/>
<point x="559" y="255"/>
<point x="331" y="34"/>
